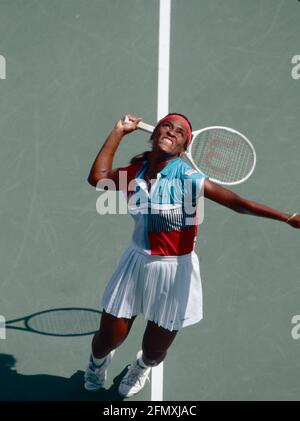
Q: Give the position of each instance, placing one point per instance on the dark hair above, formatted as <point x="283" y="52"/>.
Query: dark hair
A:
<point x="140" y="157"/>
<point x="145" y="155"/>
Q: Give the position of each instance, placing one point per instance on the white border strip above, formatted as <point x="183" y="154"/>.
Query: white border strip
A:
<point x="2" y="67"/>
<point x="162" y="110"/>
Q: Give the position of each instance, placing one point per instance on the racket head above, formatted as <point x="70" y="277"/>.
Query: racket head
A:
<point x="225" y="155"/>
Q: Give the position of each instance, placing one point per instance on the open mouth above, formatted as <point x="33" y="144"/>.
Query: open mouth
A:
<point x="167" y="141"/>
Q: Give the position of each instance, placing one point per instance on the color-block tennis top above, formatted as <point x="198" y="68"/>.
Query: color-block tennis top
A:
<point x="166" y="218"/>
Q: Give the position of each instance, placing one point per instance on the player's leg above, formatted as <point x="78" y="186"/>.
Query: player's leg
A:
<point x="112" y="332"/>
<point x="156" y="342"/>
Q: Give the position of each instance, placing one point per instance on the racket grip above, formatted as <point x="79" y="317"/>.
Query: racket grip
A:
<point x="141" y="125"/>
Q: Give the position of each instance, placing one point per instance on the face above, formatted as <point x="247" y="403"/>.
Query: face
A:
<point x="170" y="137"/>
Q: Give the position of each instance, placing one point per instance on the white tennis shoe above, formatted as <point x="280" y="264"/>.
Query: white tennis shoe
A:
<point x="95" y="376"/>
<point x="135" y="379"/>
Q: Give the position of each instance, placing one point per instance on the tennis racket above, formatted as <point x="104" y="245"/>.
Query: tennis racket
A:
<point x="225" y="155"/>
<point x="73" y="321"/>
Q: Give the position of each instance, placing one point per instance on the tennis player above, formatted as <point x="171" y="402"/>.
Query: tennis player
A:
<point x="158" y="275"/>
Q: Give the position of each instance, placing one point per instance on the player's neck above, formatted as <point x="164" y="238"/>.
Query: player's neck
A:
<point x="158" y="161"/>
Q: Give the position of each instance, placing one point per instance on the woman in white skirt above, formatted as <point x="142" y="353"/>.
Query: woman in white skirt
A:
<point x="158" y="275"/>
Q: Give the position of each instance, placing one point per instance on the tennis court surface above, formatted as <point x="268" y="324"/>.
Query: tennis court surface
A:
<point x="69" y="70"/>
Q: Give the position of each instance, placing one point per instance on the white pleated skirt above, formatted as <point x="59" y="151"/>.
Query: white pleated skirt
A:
<point x="165" y="289"/>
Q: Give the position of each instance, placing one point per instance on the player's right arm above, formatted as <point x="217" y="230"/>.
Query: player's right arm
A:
<point x="102" y="166"/>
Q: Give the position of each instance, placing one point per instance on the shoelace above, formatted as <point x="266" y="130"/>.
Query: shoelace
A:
<point x="93" y="373"/>
<point x="136" y="373"/>
<point x="91" y="376"/>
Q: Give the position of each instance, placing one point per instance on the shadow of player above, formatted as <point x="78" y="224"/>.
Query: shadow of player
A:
<point x="45" y="387"/>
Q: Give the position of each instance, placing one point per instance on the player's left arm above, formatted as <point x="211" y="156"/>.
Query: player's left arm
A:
<point x="239" y="204"/>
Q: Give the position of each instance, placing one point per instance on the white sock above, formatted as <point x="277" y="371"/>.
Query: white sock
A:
<point x="141" y="362"/>
<point x="98" y="361"/>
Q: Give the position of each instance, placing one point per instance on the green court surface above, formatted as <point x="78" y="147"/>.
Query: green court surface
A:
<point x="73" y="67"/>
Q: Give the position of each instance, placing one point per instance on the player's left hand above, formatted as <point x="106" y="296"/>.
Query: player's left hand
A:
<point x="295" y="221"/>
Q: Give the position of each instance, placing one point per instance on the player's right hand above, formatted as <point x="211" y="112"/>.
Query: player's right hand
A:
<point x="127" y="124"/>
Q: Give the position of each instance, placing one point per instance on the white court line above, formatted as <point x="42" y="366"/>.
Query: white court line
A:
<point x="162" y="110"/>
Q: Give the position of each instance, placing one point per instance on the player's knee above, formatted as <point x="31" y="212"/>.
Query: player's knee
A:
<point x="109" y="340"/>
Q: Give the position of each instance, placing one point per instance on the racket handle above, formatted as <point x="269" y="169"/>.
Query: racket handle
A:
<point x="142" y="126"/>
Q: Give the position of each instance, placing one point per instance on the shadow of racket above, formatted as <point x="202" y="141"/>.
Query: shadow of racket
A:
<point x="69" y="321"/>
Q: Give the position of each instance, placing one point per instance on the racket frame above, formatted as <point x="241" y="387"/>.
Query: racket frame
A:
<point x="27" y="319"/>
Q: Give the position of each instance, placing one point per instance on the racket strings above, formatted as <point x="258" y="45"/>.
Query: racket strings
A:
<point x="223" y="155"/>
<point x="62" y="322"/>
